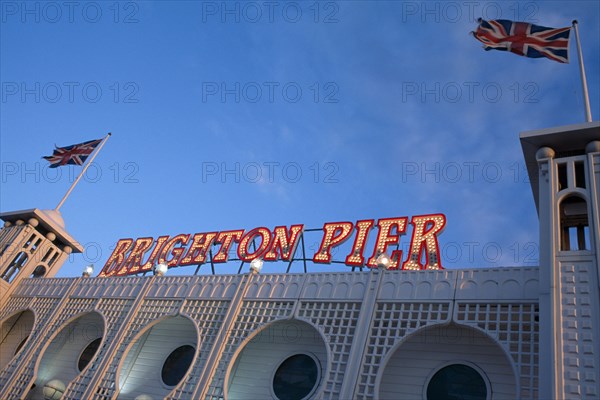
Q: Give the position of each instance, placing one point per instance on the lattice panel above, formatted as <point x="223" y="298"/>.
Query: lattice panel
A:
<point x="42" y="308"/>
<point x="579" y="361"/>
<point x="42" y="337"/>
<point x="252" y="315"/>
<point x="337" y="321"/>
<point x="516" y="327"/>
<point x="47" y="287"/>
<point x="14" y="305"/>
<point x="208" y="315"/>
<point x="392" y="322"/>
<point x="149" y="311"/>
<point x="114" y="312"/>
<point x="9" y="234"/>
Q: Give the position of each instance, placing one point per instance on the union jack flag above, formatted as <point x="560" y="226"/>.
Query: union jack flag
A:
<point x="524" y="39"/>
<point x="75" y="154"/>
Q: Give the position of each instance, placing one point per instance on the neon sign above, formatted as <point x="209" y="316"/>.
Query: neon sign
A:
<point x="136" y="256"/>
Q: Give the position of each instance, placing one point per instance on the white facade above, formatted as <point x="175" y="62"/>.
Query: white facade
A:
<point x="525" y="333"/>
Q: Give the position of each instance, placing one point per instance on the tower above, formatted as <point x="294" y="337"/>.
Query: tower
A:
<point x="33" y="243"/>
<point x="564" y="169"/>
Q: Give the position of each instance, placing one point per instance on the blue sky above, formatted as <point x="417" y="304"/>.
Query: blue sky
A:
<point x="243" y="114"/>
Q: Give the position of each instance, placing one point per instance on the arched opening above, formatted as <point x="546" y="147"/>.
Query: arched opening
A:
<point x="574" y="225"/>
<point x="14" y="333"/>
<point x="284" y="361"/>
<point x="38" y="272"/>
<point x="421" y="365"/>
<point x="158" y="360"/>
<point x="73" y="347"/>
<point x="14" y="267"/>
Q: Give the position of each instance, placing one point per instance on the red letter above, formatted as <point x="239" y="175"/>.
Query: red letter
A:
<point x="113" y="264"/>
<point x="134" y="261"/>
<point x="334" y="234"/>
<point x="286" y="244"/>
<point x="175" y="252"/>
<point x="157" y="247"/>
<point x="226" y="238"/>
<point x="424" y="237"/>
<point x="200" y="245"/>
<point x="243" y="252"/>
<point x="384" y="239"/>
<point x="362" y="232"/>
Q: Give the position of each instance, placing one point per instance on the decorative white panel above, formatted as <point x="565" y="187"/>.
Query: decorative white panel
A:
<point x="581" y="360"/>
<point x="392" y="321"/>
<point x="252" y="316"/>
<point x="337" y="321"/>
<point x="516" y="328"/>
<point x="208" y="315"/>
<point x="150" y="311"/>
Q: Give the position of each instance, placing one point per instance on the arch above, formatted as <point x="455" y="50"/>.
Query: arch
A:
<point x="405" y="371"/>
<point x="38" y="272"/>
<point x="423" y="290"/>
<point x="326" y="290"/>
<point x="258" y="358"/>
<point x="141" y="369"/>
<point x="18" y="262"/>
<point x="60" y="359"/>
<point x="14" y="333"/>
<point x="230" y="289"/>
<point x="264" y="290"/>
<point x="574" y="221"/>
<point x="341" y="290"/>
<point x="206" y="290"/>
<point x="218" y="290"/>
<point x="278" y="291"/>
<point x="442" y="290"/>
<point x="358" y="290"/>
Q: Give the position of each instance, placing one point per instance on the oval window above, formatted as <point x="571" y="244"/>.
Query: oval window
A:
<point x="177" y="364"/>
<point x="457" y="381"/>
<point x="20" y="346"/>
<point x="296" y="377"/>
<point x="88" y="353"/>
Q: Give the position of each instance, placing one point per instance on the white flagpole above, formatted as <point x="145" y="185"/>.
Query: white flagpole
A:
<point x="82" y="171"/>
<point x="586" y="96"/>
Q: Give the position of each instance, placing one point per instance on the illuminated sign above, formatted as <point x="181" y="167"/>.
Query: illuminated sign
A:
<point x="137" y="256"/>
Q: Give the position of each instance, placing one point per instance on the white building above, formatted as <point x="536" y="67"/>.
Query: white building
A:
<point x="505" y="333"/>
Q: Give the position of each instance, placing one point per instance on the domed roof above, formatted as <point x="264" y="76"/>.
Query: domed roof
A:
<point x="55" y="216"/>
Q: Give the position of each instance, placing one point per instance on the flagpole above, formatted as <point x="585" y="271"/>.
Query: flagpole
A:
<point x="82" y="171"/>
<point x="586" y="96"/>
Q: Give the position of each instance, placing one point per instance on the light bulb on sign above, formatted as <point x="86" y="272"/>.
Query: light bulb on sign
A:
<point x="160" y="269"/>
<point x="256" y="265"/>
<point x="383" y="261"/>
<point x="88" y="271"/>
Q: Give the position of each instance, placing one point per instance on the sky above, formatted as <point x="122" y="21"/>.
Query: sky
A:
<point x="236" y="115"/>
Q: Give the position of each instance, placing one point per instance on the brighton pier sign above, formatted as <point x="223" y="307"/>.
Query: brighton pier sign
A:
<point x="137" y="256"/>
